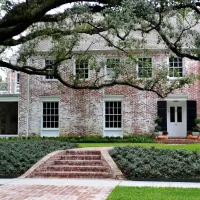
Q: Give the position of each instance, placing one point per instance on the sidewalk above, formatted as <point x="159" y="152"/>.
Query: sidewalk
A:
<point x="71" y="189"/>
<point x="95" y="182"/>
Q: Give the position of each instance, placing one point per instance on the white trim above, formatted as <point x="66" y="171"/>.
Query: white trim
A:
<point x="74" y="70"/>
<point x="7" y="136"/>
<point x="137" y="68"/>
<point x="9" y="98"/>
<point x="106" y="75"/>
<point x="113" y="131"/>
<point x="113" y="97"/>
<point x="44" y="77"/>
<point x="183" y="68"/>
<point x="54" y="132"/>
<point x="176" y="97"/>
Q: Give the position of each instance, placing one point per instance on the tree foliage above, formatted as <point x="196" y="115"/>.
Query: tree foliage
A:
<point x="123" y="26"/>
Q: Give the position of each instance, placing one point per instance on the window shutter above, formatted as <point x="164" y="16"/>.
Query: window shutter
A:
<point x="191" y="114"/>
<point x="162" y="112"/>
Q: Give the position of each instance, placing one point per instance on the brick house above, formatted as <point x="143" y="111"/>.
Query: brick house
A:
<point x="44" y="108"/>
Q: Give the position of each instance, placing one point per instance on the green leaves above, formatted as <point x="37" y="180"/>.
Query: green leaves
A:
<point x="18" y="156"/>
<point x="140" y="162"/>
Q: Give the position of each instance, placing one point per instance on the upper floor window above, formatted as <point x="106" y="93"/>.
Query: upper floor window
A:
<point x="175" y="67"/>
<point x="18" y="77"/>
<point x="82" y="69"/>
<point x="144" y="68"/>
<point x="48" y="64"/>
<point x="112" y="68"/>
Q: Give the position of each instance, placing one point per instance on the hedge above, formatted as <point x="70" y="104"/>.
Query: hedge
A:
<point x="140" y="162"/>
<point x="18" y="156"/>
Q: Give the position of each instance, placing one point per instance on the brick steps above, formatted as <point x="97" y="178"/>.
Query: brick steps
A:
<point x="78" y="168"/>
<point x="178" y="141"/>
<point x="80" y="157"/>
<point x="75" y="164"/>
<point x="79" y="162"/>
<point x="74" y="174"/>
<point x="82" y="152"/>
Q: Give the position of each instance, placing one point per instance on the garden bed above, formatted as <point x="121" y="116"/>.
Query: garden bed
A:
<point x="16" y="157"/>
<point x="139" y="163"/>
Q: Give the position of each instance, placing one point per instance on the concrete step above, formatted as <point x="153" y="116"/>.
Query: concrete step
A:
<point x="79" y="162"/>
<point x="74" y="174"/>
<point x="78" y="168"/>
<point x="80" y="157"/>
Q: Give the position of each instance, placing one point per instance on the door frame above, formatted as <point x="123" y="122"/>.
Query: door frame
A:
<point x="178" y="98"/>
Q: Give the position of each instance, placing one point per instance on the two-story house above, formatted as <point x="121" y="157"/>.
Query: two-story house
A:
<point x="44" y="107"/>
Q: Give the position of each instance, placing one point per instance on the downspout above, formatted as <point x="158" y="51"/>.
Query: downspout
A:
<point x="28" y="101"/>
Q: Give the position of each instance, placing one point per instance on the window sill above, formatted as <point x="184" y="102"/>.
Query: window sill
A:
<point x="49" y="80"/>
<point x="50" y="129"/>
<point x="113" y="129"/>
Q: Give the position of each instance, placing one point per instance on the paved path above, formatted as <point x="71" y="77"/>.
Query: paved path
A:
<point x="52" y="192"/>
<point x="55" y="189"/>
<point x="71" y="189"/>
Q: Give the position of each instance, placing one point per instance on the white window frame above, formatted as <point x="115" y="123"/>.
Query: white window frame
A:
<point x="45" y="77"/>
<point x="107" y="76"/>
<point x="151" y="68"/>
<point x="16" y="83"/>
<point x="75" y="60"/>
<point x="112" y="98"/>
<point x="175" y="77"/>
<point x="50" y="99"/>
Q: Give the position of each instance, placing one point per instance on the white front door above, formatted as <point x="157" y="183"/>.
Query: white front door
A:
<point x="176" y="119"/>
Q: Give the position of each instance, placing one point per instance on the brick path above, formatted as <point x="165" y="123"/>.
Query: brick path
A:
<point x="50" y="192"/>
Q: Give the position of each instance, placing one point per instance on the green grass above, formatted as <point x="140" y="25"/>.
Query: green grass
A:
<point x="150" y="193"/>
<point x="189" y="147"/>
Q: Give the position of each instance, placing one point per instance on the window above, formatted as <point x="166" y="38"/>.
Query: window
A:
<point x="175" y="67"/>
<point x="144" y="68"/>
<point x="48" y="64"/>
<point x="18" y="77"/>
<point x="50" y="114"/>
<point x="82" y="69"/>
<point x="112" y="68"/>
<point x="113" y="114"/>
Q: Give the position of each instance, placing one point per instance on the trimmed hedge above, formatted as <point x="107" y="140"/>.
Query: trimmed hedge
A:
<point x="93" y="139"/>
<point x="140" y="162"/>
<point x="18" y="156"/>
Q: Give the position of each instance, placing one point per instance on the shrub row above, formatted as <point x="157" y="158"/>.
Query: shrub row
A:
<point x="18" y="156"/>
<point x="139" y="162"/>
<point x="94" y="139"/>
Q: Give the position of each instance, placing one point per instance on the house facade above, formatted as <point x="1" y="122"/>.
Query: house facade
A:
<point x="43" y="107"/>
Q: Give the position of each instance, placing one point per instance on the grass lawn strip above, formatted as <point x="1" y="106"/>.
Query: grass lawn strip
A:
<point x="189" y="147"/>
<point x="152" y="193"/>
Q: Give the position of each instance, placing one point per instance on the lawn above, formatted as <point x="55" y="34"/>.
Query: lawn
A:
<point x="189" y="147"/>
<point x="151" y="193"/>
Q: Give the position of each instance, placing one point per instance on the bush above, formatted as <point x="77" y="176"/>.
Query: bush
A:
<point x="18" y="156"/>
<point x="92" y="139"/>
<point x="100" y="139"/>
<point x="140" y="162"/>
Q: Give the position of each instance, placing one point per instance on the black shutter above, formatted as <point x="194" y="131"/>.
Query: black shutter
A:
<point x="162" y="112"/>
<point x="191" y="114"/>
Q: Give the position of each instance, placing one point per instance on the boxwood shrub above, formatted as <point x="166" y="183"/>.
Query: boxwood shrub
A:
<point x="93" y="139"/>
<point x="140" y="162"/>
<point x="18" y="156"/>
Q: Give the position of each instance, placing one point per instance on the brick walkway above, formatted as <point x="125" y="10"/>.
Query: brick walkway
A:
<point x="50" y="192"/>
